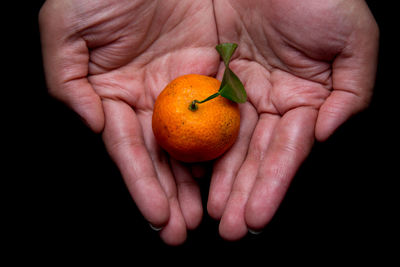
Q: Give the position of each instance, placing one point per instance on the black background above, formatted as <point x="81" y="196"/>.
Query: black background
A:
<point x="67" y="201"/>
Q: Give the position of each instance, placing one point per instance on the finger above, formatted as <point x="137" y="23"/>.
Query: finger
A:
<point x="188" y="195"/>
<point x="124" y="141"/>
<point x="226" y="168"/>
<point x="175" y="230"/>
<point x="353" y="78"/>
<point x="233" y="225"/>
<point x="337" y="109"/>
<point x="65" y="61"/>
<point x="174" y="233"/>
<point x="290" y="144"/>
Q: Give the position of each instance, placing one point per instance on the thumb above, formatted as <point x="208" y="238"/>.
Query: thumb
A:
<point x="353" y="78"/>
<point x="65" y="60"/>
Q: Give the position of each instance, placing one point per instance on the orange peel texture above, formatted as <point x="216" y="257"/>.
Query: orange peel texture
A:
<point x="200" y="135"/>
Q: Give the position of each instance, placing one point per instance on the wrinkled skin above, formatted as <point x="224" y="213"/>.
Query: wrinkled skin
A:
<point x="307" y="67"/>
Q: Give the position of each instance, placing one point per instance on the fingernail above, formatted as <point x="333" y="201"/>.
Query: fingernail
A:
<point x="157" y="229"/>
<point x="255" y="232"/>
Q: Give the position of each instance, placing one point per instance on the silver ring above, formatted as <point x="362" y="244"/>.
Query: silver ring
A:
<point x="157" y="229"/>
<point x="255" y="232"/>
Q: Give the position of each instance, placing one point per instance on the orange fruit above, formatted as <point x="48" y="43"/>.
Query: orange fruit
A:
<point x="199" y="135"/>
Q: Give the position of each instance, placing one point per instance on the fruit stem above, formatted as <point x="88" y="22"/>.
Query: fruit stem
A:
<point x="193" y="105"/>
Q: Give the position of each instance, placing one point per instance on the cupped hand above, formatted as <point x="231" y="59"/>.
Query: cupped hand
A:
<point x="307" y="67"/>
<point x="108" y="61"/>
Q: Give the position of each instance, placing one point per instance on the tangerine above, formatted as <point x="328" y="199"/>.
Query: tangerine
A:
<point x="191" y="132"/>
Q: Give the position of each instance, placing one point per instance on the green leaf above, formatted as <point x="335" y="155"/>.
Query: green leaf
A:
<point x="226" y="51"/>
<point x="231" y="86"/>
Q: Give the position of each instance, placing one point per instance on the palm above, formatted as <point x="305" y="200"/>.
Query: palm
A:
<point x="290" y="62"/>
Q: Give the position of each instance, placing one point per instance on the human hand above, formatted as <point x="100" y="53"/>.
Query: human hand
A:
<point x="108" y="61"/>
<point x="307" y="66"/>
